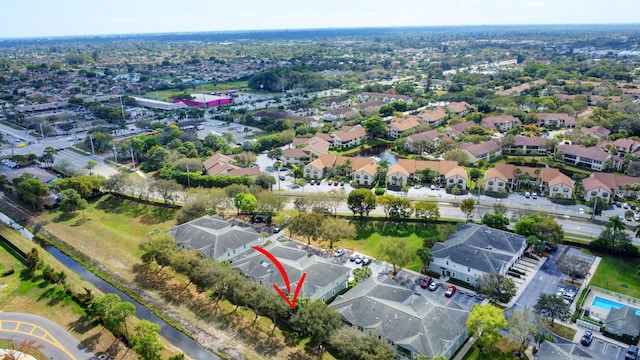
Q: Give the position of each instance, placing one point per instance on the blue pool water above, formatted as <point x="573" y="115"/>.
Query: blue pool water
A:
<point x="607" y="304"/>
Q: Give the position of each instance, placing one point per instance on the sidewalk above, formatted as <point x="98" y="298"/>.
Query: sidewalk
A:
<point x="465" y="348"/>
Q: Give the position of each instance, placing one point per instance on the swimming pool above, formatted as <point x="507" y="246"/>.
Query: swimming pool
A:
<point x="607" y="304"/>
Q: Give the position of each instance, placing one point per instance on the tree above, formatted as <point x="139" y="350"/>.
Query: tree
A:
<point x="31" y="190"/>
<point x="361" y="273"/>
<point x="335" y="229"/>
<point x="485" y="322"/>
<point x="167" y="189"/>
<point x="265" y="181"/>
<point x="184" y="261"/>
<point x="396" y="253"/>
<point x="275" y="154"/>
<point x="552" y="307"/>
<point x="524" y="326"/>
<point x="375" y="126"/>
<point x="317" y="320"/>
<point x="574" y="267"/>
<point x="500" y="208"/>
<point x="245" y="203"/>
<point x="361" y="202"/>
<point x="33" y="260"/>
<point x="159" y="247"/>
<point x="426" y="257"/>
<point x="496" y="221"/>
<point x="144" y="340"/>
<point x="350" y="343"/>
<point x="614" y="239"/>
<point x="71" y="201"/>
<point x="116" y="318"/>
<point x="308" y="225"/>
<point x="91" y="164"/>
<point x="457" y="155"/>
<point x="204" y="274"/>
<point x="48" y="155"/>
<point x="301" y="204"/>
<point x="496" y="287"/>
<point x="526" y="226"/>
<point x="102" y="305"/>
<point x="467" y="207"/>
<point x="427" y="211"/>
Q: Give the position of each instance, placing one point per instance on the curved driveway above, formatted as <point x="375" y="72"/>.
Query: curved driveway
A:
<point x="58" y="343"/>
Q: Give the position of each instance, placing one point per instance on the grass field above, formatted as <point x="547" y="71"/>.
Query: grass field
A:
<point x="372" y="233"/>
<point x="619" y="275"/>
<point x="112" y="231"/>
<point x="167" y="95"/>
<point x="502" y="350"/>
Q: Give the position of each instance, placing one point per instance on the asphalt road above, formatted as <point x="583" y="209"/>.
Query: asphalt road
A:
<point x="57" y="342"/>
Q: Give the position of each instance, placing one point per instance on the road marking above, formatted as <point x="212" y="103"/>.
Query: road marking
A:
<point x="46" y="337"/>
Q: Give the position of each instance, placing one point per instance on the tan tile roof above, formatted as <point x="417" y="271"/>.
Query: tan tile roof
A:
<point x="458" y="107"/>
<point x="348" y="133"/>
<point x="433" y="115"/>
<point x="404" y="124"/>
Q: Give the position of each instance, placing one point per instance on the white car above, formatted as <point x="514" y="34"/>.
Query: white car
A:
<point x="581" y="211"/>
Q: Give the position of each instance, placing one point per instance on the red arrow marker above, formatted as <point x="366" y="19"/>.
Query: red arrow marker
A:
<point x="285" y="277"/>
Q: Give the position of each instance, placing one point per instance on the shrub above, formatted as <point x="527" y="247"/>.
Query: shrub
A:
<point x="380" y="191"/>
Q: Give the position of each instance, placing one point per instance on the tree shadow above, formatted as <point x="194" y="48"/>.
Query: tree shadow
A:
<point x="65" y="217"/>
<point x="82" y="325"/>
<point x="79" y="222"/>
<point x="149" y="278"/>
<point x="92" y="342"/>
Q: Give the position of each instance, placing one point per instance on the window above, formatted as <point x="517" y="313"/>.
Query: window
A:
<point x="450" y="181"/>
<point x="366" y="177"/>
<point x="500" y="183"/>
<point x="566" y="190"/>
<point x="555" y="188"/>
<point x="490" y="182"/>
<point x="604" y="195"/>
<point x="593" y="193"/>
<point x="358" y="175"/>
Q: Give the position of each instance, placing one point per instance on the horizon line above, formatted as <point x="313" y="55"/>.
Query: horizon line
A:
<point x="36" y="37"/>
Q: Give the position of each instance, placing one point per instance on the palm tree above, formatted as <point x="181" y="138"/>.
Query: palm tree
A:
<point x="383" y="167"/>
<point x="616" y="224"/>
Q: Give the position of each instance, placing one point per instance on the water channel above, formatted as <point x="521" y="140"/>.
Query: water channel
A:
<point x="379" y="152"/>
<point x="174" y="336"/>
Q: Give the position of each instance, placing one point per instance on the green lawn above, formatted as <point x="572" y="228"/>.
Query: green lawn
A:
<point x="371" y="234"/>
<point x="502" y="350"/>
<point x="167" y="95"/>
<point x="619" y="275"/>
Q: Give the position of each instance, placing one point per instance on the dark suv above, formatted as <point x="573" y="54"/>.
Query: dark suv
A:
<point x="632" y="353"/>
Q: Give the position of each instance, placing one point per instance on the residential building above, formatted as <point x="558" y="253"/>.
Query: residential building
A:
<point x="387" y="98"/>
<point x="411" y="323"/>
<point x="454" y="131"/>
<point x="450" y="174"/>
<point x="607" y="186"/>
<point x="349" y="136"/>
<point x="556" y="120"/>
<point x="323" y="281"/>
<point x="501" y="123"/>
<point x="598" y="131"/>
<point x="427" y="139"/>
<point x="400" y="125"/>
<point x="433" y="117"/>
<point x="475" y="250"/>
<point x="549" y="181"/>
<point x="487" y="151"/>
<point x="589" y="157"/>
<point x="459" y="108"/>
<point x="625" y="146"/>
<point x="526" y="145"/>
<point x="561" y="351"/>
<point x="215" y="238"/>
<point x="306" y="149"/>
<point x="623" y="321"/>
<point x="363" y="170"/>
<point x="220" y="164"/>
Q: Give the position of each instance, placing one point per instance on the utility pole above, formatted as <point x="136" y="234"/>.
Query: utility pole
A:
<point x="115" y="153"/>
<point x="133" y="160"/>
<point x="93" y="150"/>
<point x="188" y="177"/>
<point x="41" y="131"/>
<point x="122" y="109"/>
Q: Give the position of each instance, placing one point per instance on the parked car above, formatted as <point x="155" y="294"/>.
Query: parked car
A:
<point x="534" y="195"/>
<point x="359" y="259"/>
<point x="587" y="338"/>
<point x="353" y="257"/>
<point x="581" y="211"/>
<point x="618" y="204"/>
<point x="312" y="182"/>
<point x="339" y="252"/>
<point x="434" y="285"/>
<point x="550" y="247"/>
<point x="335" y="183"/>
<point x="636" y="216"/>
<point x="366" y="261"/>
<point x="632" y="353"/>
<point x="625" y="206"/>
<point x="527" y="194"/>
<point x="632" y="206"/>
<point x="425" y="281"/>
<point x="450" y="291"/>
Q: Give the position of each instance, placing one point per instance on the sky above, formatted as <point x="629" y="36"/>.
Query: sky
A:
<point x="43" y="18"/>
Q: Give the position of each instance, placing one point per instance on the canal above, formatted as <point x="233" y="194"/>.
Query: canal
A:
<point x="379" y="152"/>
<point x="173" y="335"/>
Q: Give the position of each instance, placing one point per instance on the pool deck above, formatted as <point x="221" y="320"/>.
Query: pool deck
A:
<point x="601" y="314"/>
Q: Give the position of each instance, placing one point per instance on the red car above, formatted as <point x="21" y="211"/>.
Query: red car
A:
<point x="450" y="291"/>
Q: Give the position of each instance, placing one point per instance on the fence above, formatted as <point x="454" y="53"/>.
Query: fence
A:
<point x="628" y="299"/>
<point x="588" y="325"/>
